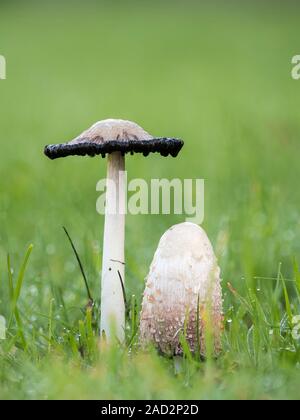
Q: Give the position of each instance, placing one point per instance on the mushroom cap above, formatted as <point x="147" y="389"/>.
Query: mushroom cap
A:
<point x="183" y="281"/>
<point x="112" y="135"/>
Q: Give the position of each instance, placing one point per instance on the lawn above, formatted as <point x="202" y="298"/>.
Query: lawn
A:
<point x="216" y="75"/>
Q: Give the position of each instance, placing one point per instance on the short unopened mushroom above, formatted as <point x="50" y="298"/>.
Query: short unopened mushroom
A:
<point x="182" y="292"/>
<point x="115" y="138"/>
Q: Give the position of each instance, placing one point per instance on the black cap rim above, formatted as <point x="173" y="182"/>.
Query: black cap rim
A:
<point x="164" y="146"/>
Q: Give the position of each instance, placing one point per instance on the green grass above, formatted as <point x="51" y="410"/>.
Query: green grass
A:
<point x="219" y="77"/>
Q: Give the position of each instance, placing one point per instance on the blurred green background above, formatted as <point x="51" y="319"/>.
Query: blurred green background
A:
<point x="217" y="74"/>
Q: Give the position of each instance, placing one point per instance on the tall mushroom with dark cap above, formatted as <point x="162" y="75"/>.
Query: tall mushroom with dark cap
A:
<point x="115" y="138"/>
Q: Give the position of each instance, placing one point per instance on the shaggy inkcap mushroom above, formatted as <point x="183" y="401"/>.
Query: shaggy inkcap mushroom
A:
<point x="110" y="136"/>
<point x="184" y="281"/>
<point x="115" y="138"/>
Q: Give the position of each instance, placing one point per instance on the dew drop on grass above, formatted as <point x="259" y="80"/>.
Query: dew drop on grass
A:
<point x="33" y="290"/>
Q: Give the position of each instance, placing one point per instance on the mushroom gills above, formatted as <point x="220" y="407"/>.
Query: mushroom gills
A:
<point x="183" y="296"/>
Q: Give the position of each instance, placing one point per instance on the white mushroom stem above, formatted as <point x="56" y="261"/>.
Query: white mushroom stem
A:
<point x="112" y="323"/>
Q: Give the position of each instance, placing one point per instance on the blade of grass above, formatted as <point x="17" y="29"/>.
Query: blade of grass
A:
<point x="182" y="338"/>
<point x="10" y="279"/>
<point x="123" y="289"/>
<point x="185" y="347"/>
<point x="287" y="302"/>
<point x="90" y="336"/>
<point x="80" y="265"/>
<point x="73" y="345"/>
<point x="19" y="284"/>
<point x="242" y="300"/>
<point x="50" y="325"/>
<point x="20" y="329"/>
<point x="133" y="314"/>
<point x="297" y="277"/>
<point x="134" y="323"/>
<point x="20" y="278"/>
